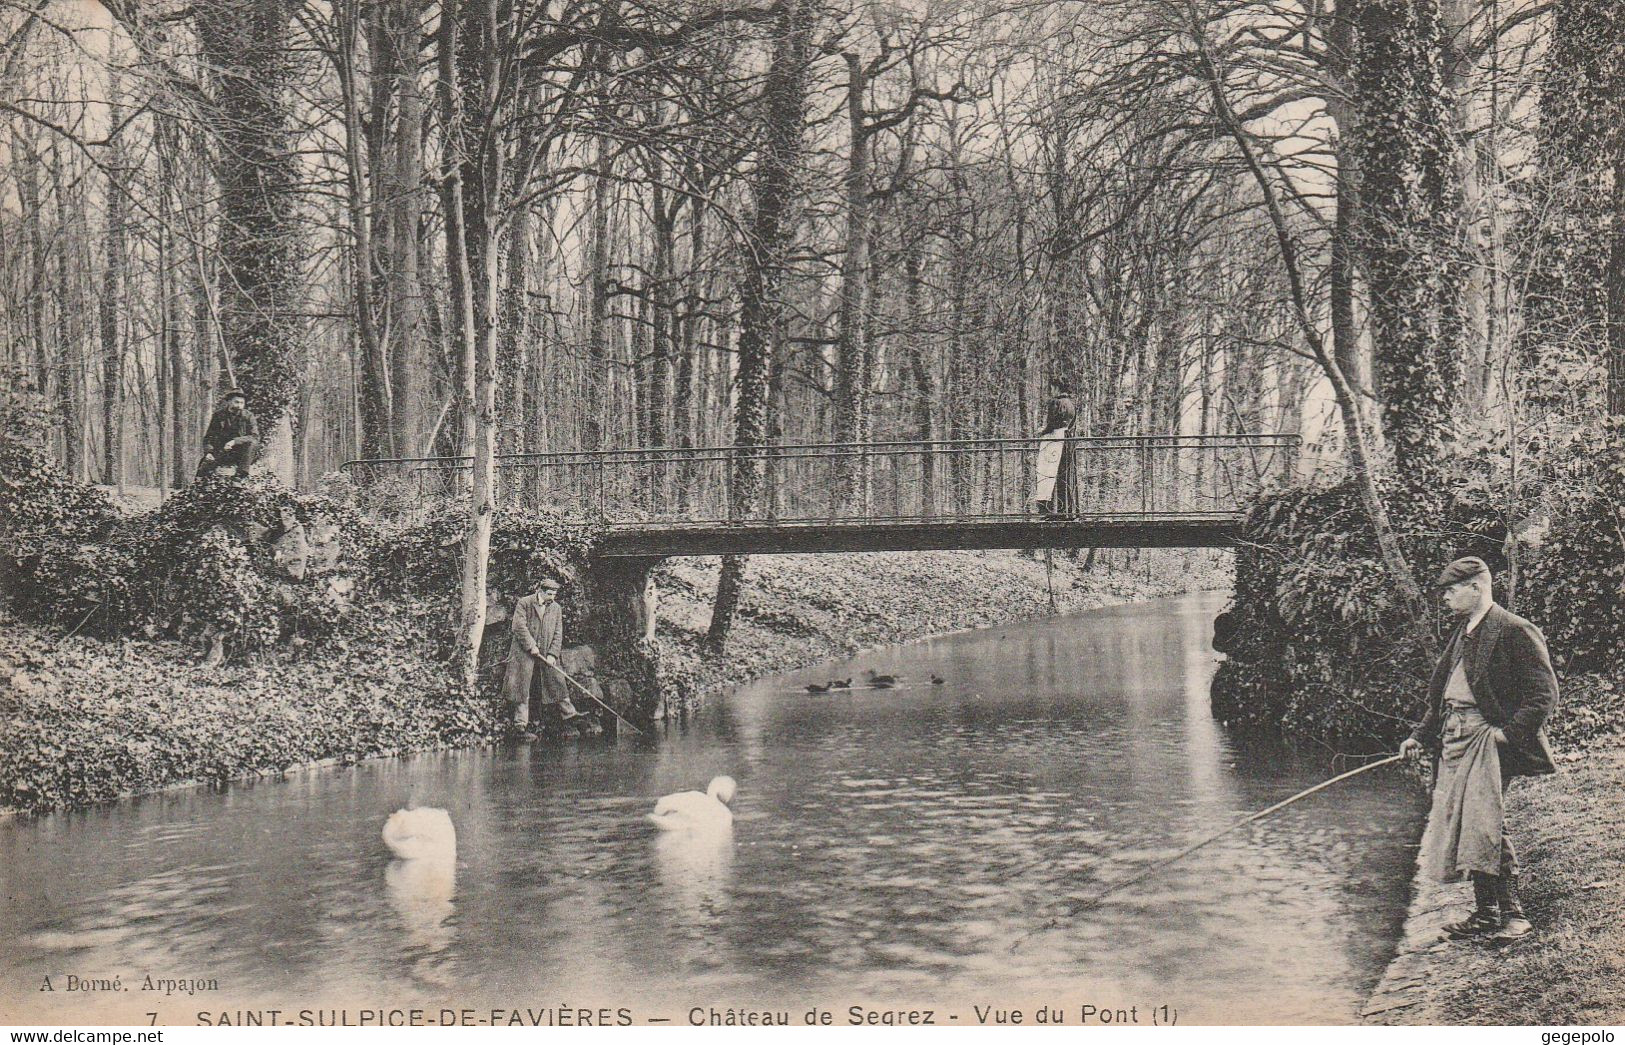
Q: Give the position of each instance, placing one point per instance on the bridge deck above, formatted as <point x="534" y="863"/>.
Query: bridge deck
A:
<point x="1147" y="491"/>
<point x="658" y="540"/>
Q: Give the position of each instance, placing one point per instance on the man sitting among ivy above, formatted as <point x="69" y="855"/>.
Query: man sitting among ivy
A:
<point x="536" y="638"/>
<point x="232" y="438"/>
<point x="1491" y="692"/>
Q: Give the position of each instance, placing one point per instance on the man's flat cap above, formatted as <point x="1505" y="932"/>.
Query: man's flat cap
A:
<point x="1461" y="570"/>
<point x="549" y="583"/>
<point x="233" y="393"/>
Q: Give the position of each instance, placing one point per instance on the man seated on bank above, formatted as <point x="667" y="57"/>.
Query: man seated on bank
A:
<point x="232" y="438"/>
<point x="1491" y="692"/>
<point x="536" y="638"/>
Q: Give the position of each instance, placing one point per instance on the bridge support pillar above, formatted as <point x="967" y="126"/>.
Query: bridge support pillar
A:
<point x="623" y="604"/>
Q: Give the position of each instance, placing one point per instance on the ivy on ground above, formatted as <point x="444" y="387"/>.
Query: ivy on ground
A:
<point x="104" y="617"/>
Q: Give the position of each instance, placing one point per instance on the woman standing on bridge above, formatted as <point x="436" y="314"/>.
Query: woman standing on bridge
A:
<point x="1062" y="495"/>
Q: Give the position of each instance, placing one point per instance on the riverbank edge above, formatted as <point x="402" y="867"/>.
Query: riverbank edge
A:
<point x="792" y="640"/>
<point x="750" y="644"/>
<point x="1570" y="828"/>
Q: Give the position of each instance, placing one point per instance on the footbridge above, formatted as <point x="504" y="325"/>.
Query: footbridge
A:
<point x="1115" y="492"/>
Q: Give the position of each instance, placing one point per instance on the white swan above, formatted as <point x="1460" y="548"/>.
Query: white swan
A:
<point x="421" y="834"/>
<point x="692" y="811"/>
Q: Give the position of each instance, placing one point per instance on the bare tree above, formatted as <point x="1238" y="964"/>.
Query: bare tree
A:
<point x="784" y="100"/>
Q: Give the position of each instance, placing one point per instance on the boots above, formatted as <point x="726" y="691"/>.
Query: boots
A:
<point x="1516" y="925"/>
<point x="1485" y="919"/>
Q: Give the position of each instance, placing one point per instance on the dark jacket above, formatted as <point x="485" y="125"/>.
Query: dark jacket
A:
<point x="537" y="630"/>
<point x="1512" y="680"/>
<point x="1061" y="413"/>
<point x="224" y="426"/>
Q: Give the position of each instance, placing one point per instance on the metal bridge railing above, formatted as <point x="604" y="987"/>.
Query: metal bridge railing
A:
<point x="897" y="481"/>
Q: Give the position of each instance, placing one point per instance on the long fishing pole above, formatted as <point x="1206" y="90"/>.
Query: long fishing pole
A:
<point x="594" y="697"/>
<point x="1094" y="901"/>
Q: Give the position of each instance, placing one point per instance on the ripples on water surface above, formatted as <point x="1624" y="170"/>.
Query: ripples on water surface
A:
<point x="889" y="847"/>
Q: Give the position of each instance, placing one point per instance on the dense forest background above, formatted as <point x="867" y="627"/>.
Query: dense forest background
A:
<point x="406" y="228"/>
<point x="884" y="220"/>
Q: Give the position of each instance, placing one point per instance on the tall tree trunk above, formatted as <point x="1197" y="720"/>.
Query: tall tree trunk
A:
<point x="1411" y="230"/>
<point x="852" y="377"/>
<point x="1361" y="462"/>
<point x="662" y="318"/>
<point x="925" y="384"/>
<point x="962" y="379"/>
<point x="39" y="275"/>
<point x="163" y="357"/>
<point x="68" y="397"/>
<point x="248" y="45"/>
<point x="686" y="394"/>
<point x="1564" y="304"/>
<point x="761" y="305"/>
<point x="1473" y="164"/>
<point x="112" y="306"/>
<point x="205" y="353"/>
<point x="688" y="330"/>
<point x="1348" y="348"/>
<point x="599" y="406"/>
<point x="1616" y="275"/>
<point x="513" y="339"/>
<point x="472" y="180"/>
<point x="377" y="408"/>
<point x="170" y="161"/>
<point x="398" y="203"/>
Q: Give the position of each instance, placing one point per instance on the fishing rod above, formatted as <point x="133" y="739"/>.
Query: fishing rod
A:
<point x="594" y="697"/>
<point x="1146" y="872"/>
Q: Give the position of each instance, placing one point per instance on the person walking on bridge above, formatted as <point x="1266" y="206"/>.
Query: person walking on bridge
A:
<point x="1487" y="703"/>
<point x="536" y="638"/>
<point x="1060" y="499"/>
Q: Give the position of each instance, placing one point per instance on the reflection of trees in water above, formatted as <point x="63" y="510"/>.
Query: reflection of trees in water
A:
<point x="421" y="893"/>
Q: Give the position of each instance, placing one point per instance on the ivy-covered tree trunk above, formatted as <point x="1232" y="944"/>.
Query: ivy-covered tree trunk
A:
<point x="248" y="45"/>
<point x="1411" y="228"/>
<point x="467" y="81"/>
<point x="1568" y="255"/>
<point x="1361" y="461"/>
<point x="761" y="312"/>
<point x="852" y="374"/>
<point x="513" y="349"/>
<point x="1616" y="282"/>
<point x="1348" y="348"/>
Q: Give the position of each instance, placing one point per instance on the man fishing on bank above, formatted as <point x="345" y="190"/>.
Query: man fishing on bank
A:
<point x="1490" y="694"/>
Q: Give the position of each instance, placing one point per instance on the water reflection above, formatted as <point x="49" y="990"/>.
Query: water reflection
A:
<point x="421" y="892"/>
<point x="888" y="846"/>
<point x="695" y="869"/>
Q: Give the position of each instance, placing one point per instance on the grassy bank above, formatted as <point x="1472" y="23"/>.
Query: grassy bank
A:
<point x="1570" y="829"/>
<point x="87" y="720"/>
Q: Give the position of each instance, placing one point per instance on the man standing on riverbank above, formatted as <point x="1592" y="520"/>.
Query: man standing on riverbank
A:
<point x="536" y="638"/>
<point x="1489" y="697"/>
